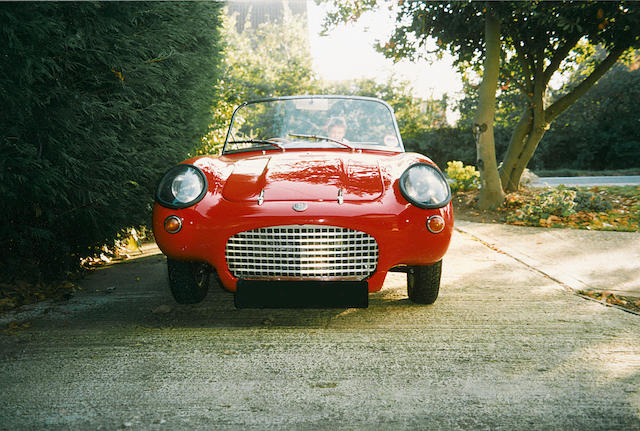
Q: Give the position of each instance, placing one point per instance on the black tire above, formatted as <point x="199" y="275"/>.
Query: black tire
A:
<point x="188" y="281"/>
<point x="423" y="283"/>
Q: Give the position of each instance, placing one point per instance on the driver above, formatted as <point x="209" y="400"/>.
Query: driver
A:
<point x="337" y="128"/>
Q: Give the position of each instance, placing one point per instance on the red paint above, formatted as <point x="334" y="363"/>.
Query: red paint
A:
<point x="304" y="176"/>
<point x="372" y="203"/>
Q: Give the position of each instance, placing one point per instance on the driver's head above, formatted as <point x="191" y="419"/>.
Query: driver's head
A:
<point x="337" y="128"/>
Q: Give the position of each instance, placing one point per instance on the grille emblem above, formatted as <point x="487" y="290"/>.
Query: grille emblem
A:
<point x="300" y="206"/>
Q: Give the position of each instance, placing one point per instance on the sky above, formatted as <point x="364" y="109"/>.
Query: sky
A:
<point x="348" y="52"/>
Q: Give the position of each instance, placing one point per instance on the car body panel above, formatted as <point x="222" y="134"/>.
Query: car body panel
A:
<point x="305" y="175"/>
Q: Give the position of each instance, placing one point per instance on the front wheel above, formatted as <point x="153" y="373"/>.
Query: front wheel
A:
<point x="423" y="283"/>
<point x="188" y="281"/>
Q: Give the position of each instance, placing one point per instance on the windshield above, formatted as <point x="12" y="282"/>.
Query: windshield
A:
<point x="313" y="122"/>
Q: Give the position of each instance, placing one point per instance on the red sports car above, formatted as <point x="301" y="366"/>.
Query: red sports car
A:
<point x="312" y="202"/>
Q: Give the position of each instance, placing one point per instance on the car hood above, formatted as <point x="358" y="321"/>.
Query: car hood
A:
<point x="300" y="176"/>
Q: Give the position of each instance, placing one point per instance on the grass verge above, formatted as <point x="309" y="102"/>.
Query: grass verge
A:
<point x="592" y="208"/>
<point x="582" y="173"/>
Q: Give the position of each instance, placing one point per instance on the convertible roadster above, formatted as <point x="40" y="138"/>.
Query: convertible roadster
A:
<point x="312" y="201"/>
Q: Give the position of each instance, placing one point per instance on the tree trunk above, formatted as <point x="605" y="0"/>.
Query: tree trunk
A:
<point x="535" y="120"/>
<point x="528" y="132"/>
<point x="518" y="156"/>
<point x="491" y="194"/>
<point x="517" y="142"/>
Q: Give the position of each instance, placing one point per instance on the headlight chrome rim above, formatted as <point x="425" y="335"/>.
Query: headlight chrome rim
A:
<point x="420" y="204"/>
<point x="165" y="193"/>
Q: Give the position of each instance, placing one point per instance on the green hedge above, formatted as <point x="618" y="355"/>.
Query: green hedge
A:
<point x="98" y="100"/>
<point x="451" y="143"/>
<point x="600" y="131"/>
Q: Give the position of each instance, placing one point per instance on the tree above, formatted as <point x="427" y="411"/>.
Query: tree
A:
<point x="255" y="67"/>
<point x="599" y="131"/>
<point x="551" y="35"/>
<point x="413" y="114"/>
<point x="272" y="59"/>
<point x="538" y="39"/>
<point x="98" y="100"/>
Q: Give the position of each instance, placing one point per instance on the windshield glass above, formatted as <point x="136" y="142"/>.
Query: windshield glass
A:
<point x="313" y="122"/>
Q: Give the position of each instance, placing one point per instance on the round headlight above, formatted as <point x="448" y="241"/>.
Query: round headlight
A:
<point x="425" y="186"/>
<point x="181" y="187"/>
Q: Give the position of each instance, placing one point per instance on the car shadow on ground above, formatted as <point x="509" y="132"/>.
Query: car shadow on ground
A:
<point x="136" y="293"/>
<point x="218" y="310"/>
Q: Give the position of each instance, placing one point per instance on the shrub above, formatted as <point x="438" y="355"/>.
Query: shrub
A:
<point x="558" y="202"/>
<point x="464" y="177"/>
<point x="591" y="202"/>
<point x="449" y="143"/>
<point x="98" y="100"/>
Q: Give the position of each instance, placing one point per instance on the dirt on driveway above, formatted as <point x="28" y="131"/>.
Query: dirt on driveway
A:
<point x="504" y="347"/>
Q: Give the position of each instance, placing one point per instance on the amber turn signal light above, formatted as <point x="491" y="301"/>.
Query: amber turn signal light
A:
<point x="172" y="224"/>
<point x="435" y="224"/>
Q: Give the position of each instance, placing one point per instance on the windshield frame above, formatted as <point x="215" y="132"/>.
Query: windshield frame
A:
<point x="399" y="149"/>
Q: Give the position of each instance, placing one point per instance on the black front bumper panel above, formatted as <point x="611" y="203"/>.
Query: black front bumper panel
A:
<point x="301" y="294"/>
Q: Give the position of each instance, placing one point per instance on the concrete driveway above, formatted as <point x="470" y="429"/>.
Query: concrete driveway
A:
<point x="577" y="259"/>
<point x="504" y="347"/>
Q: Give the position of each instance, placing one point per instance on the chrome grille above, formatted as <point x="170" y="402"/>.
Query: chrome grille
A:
<point x="313" y="252"/>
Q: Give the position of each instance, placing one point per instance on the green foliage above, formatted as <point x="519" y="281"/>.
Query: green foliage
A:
<point x="597" y="133"/>
<point x="558" y="202"/>
<point x="538" y="39"/>
<point x="590" y="202"/>
<point x="509" y="104"/>
<point x="270" y="60"/>
<point x="413" y="114"/>
<point x="98" y="100"/>
<point x="252" y="71"/>
<point x="600" y="131"/>
<point x="443" y="144"/>
<point x="464" y="178"/>
<point x="450" y="143"/>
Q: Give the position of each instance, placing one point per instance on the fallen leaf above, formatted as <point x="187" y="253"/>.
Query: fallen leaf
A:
<point x="163" y="309"/>
<point x="553" y="219"/>
<point x="604" y="295"/>
<point x="613" y="299"/>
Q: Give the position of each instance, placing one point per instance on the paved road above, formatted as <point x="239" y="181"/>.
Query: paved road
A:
<point x="630" y="180"/>
<point x="503" y="348"/>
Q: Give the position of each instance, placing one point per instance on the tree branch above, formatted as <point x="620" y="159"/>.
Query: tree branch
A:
<point x="558" y="56"/>
<point x="560" y="105"/>
<point x="526" y="68"/>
